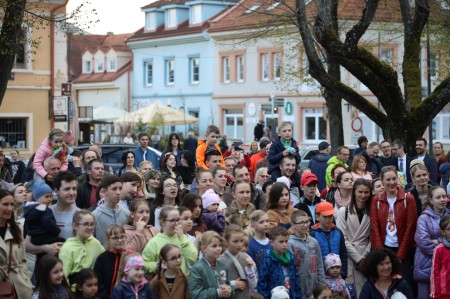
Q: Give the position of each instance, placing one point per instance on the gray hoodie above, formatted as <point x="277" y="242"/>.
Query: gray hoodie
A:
<point x="104" y="217"/>
<point x="309" y="263"/>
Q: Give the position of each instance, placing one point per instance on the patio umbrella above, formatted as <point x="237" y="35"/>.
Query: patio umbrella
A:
<point x="108" y="113"/>
<point x="147" y="115"/>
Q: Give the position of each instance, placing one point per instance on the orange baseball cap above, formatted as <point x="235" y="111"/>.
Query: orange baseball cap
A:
<point x="325" y="208"/>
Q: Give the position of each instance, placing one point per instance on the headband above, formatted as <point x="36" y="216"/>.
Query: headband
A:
<point x="133" y="262"/>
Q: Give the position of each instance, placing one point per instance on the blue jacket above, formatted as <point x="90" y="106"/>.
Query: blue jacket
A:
<point x="124" y="291"/>
<point x="333" y="242"/>
<point x="318" y="165"/>
<point x="270" y="275"/>
<point x="427" y="230"/>
<point x="276" y="153"/>
<point x="149" y="156"/>
<point x="445" y="173"/>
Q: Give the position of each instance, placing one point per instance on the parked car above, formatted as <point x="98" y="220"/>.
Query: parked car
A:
<point x="112" y="153"/>
<point x="306" y="153"/>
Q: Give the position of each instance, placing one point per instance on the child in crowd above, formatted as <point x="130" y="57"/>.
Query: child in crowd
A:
<point x="81" y="251"/>
<point x="130" y="185"/>
<point x="194" y="203"/>
<point x="209" y="277"/>
<point x="87" y="285"/>
<point x="277" y="268"/>
<point x="107" y="263"/>
<point x="281" y="146"/>
<point x="440" y="273"/>
<point x="137" y="229"/>
<point x="322" y="291"/>
<point x="132" y="280"/>
<point x="309" y="200"/>
<point x="238" y="262"/>
<point x="51" y="282"/>
<point x="330" y="238"/>
<point x="306" y="252"/>
<point x="333" y="277"/>
<point x="212" y="217"/>
<point x="207" y="145"/>
<point x="53" y="145"/>
<point x="186" y="222"/>
<point x="259" y="243"/>
<point x="240" y="208"/>
<point x="377" y="186"/>
<point x="110" y="212"/>
<point x="170" y="283"/>
<point x="171" y="233"/>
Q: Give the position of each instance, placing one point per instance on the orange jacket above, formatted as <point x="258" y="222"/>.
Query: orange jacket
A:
<point x="201" y="151"/>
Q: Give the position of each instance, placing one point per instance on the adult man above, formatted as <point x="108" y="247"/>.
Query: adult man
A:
<point x="387" y="153"/>
<point x="318" y="164"/>
<point x="230" y="162"/>
<point x="190" y="143"/>
<point x="241" y="174"/>
<point x="288" y="168"/>
<point x="400" y="160"/>
<point x="213" y="159"/>
<point x="371" y="155"/>
<point x="5" y="172"/>
<point x="342" y="156"/>
<point x="87" y="193"/>
<point x="258" y="156"/>
<point x="430" y="162"/>
<point x="144" y="153"/>
<point x="52" y="166"/>
<point x="259" y="130"/>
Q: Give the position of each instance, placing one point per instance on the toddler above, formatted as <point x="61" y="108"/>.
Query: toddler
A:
<point x="333" y="277"/>
<point x="212" y="217"/>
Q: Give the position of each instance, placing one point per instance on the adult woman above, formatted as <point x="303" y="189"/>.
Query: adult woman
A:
<point x="20" y="194"/>
<point x="18" y="167"/>
<point x="220" y="181"/>
<point x="253" y="149"/>
<point x="240" y="208"/>
<point x="428" y="236"/>
<point x="128" y="163"/>
<point x="342" y="197"/>
<point x="152" y="179"/>
<point x="168" y="169"/>
<point x="382" y="269"/>
<point x="12" y="248"/>
<point x="393" y="218"/>
<point x="279" y="210"/>
<point x="439" y="155"/>
<point x="204" y="181"/>
<point x="141" y="192"/>
<point x="354" y="222"/>
<point x="145" y="166"/>
<point x="261" y="177"/>
<point x="187" y="168"/>
<point x="422" y="183"/>
<point x="173" y="146"/>
<point x="167" y="194"/>
<point x="359" y="168"/>
<point x="328" y="193"/>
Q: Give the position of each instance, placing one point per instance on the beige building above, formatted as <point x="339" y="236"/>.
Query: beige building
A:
<point x="26" y="113"/>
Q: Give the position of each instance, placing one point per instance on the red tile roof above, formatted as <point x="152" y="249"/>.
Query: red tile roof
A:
<point x="163" y="2"/>
<point x="103" y="77"/>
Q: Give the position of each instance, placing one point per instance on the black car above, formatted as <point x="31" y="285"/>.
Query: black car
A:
<point x="112" y="153"/>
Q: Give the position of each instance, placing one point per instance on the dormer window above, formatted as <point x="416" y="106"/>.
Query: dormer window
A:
<point x="196" y="14"/>
<point x="87" y="68"/>
<point x="112" y="65"/>
<point x="150" y="21"/>
<point x="171" y="18"/>
<point x="99" y="65"/>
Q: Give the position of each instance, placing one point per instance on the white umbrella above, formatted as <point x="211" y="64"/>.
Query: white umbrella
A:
<point x="108" y="113"/>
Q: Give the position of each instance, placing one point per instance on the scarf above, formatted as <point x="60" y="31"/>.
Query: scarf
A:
<point x="284" y="259"/>
<point x="341" y="202"/>
<point x="286" y="143"/>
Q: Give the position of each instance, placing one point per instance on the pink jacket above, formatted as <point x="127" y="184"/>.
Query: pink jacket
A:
<point x="44" y="151"/>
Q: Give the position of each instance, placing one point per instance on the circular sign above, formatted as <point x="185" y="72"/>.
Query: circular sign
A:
<point x="357" y="124"/>
<point x="251" y="109"/>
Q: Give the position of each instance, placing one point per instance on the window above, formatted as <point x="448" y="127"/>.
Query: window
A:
<point x="240" y="68"/>
<point x="441" y="126"/>
<point x="276" y="66"/>
<point x="20" y="61"/>
<point x="314" y="126"/>
<point x="434" y="70"/>
<point x="226" y="70"/>
<point x="148" y="69"/>
<point x="253" y="8"/>
<point x="265" y="67"/>
<point x="112" y="64"/>
<point x="150" y="21"/>
<point x="234" y="123"/>
<point x="99" y="65"/>
<point x="196" y="14"/>
<point x="171" y="18"/>
<point x="370" y="129"/>
<point x="13" y="132"/>
<point x="87" y="66"/>
<point x="195" y="70"/>
<point x="386" y="56"/>
<point x="170" y="71"/>
<point x="273" y="5"/>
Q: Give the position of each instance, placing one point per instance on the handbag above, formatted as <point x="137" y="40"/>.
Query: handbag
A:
<point x="7" y="289"/>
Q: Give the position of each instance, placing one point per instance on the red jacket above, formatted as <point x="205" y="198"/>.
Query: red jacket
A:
<point x="405" y="212"/>
<point x="440" y="273"/>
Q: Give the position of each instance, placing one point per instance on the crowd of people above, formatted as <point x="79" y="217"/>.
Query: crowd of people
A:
<point x="204" y="221"/>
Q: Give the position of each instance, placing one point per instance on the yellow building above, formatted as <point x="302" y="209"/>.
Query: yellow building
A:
<point x="26" y="113"/>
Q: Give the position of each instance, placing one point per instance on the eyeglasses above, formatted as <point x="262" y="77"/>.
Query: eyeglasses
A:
<point x="173" y="220"/>
<point x="303" y="223"/>
<point x="174" y="186"/>
<point x="118" y="238"/>
<point x="394" y="148"/>
<point x="87" y="224"/>
<point x="175" y="258"/>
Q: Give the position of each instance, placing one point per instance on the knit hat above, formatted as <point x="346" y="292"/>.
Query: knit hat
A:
<point x="210" y="197"/>
<point x="284" y="180"/>
<point x="279" y="293"/>
<point x="332" y="260"/>
<point x="40" y="189"/>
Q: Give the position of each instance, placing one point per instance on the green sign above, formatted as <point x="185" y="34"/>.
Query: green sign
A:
<point x="288" y="108"/>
